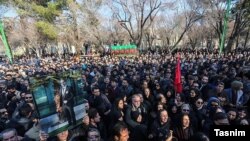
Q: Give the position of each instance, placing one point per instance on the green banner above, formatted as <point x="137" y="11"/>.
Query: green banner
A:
<point x="224" y="32"/>
<point x="5" y="42"/>
<point x="123" y="47"/>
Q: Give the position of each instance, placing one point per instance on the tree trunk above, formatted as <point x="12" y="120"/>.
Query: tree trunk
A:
<point x="237" y="41"/>
<point x="230" y="43"/>
<point x="246" y="39"/>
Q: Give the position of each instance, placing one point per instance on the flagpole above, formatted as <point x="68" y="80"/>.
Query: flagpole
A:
<point x="225" y="27"/>
<point x="5" y="42"/>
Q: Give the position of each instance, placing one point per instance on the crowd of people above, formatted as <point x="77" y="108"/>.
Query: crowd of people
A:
<point x="134" y="98"/>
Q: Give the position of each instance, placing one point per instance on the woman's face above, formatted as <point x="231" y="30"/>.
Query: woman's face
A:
<point x="169" y="94"/>
<point x="174" y="109"/>
<point x="63" y="135"/>
<point x="121" y="104"/>
<point x="192" y="93"/>
<point x="163" y="99"/>
<point x="199" y="103"/>
<point x="242" y="113"/>
<point x="145" y="84"/>
<point x="147" y="92"/>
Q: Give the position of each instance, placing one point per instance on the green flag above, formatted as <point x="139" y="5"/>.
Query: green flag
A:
<point x="224" y="32"/>
<point x="5" y="42"/>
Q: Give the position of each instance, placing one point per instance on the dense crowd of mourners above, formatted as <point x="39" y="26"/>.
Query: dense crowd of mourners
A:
<point x="133" y="98"/>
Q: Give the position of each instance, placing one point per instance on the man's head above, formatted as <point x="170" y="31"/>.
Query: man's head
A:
<point x="113" y="83"/>
<point x="106" y="80"/>
<point x="220" y="118"/>
<point x="204" y="80"/>
<point x="195" y="85"/>
<point x="125" y="82"/>
<point x="163" y="116"/>
<point x="11" y="89"/>
<point x="28" y="98"/>
<point x="9" y="135"/>
<point x="120" y="132"/>
<point x="220" y="87"/>
<point x="191" y="79"/>
<point x="93" y="135"/>
<point x="25" y="111"/>
<point x="185" y="108"/>
<point x="185" y="121"/>
<point x="94" y="116"/>
<point x="136" y="100"/>
<point x="8" y="77"/>
<point x="95" y="91"/>
<point x="232" y="114"/>
<point x="3" y="112"/>
<point x="2" y="84"/>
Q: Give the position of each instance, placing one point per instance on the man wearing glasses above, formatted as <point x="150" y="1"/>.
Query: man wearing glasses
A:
<point x="28" y="98"/>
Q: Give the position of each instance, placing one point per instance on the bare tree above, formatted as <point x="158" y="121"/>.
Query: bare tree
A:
<point x="166" y="29"/>
<point x="240" y="22"/>
<point x="136" y="16"/>
<point x="93" y="25"/>
<point x="215" y="12"/>
<point x="191" y="14"/>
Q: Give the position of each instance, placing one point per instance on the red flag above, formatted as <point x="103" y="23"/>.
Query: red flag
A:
<point x="177" y="81"/>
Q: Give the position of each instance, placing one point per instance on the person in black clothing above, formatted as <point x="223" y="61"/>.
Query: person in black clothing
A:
<point x="22" y="122"/>
<point x="160" y="127"/>
<point x="232" y="116"/>
<point x="185" y="131"/>
<point x="4" y="117"/>
<point x="113" y="91"/>
<point x="136" y="117"/>
<point x="117" y="113"/>
<point x="120" y="132"/>
<point x="100" y="102"/>
<point x="95" y="122"/>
